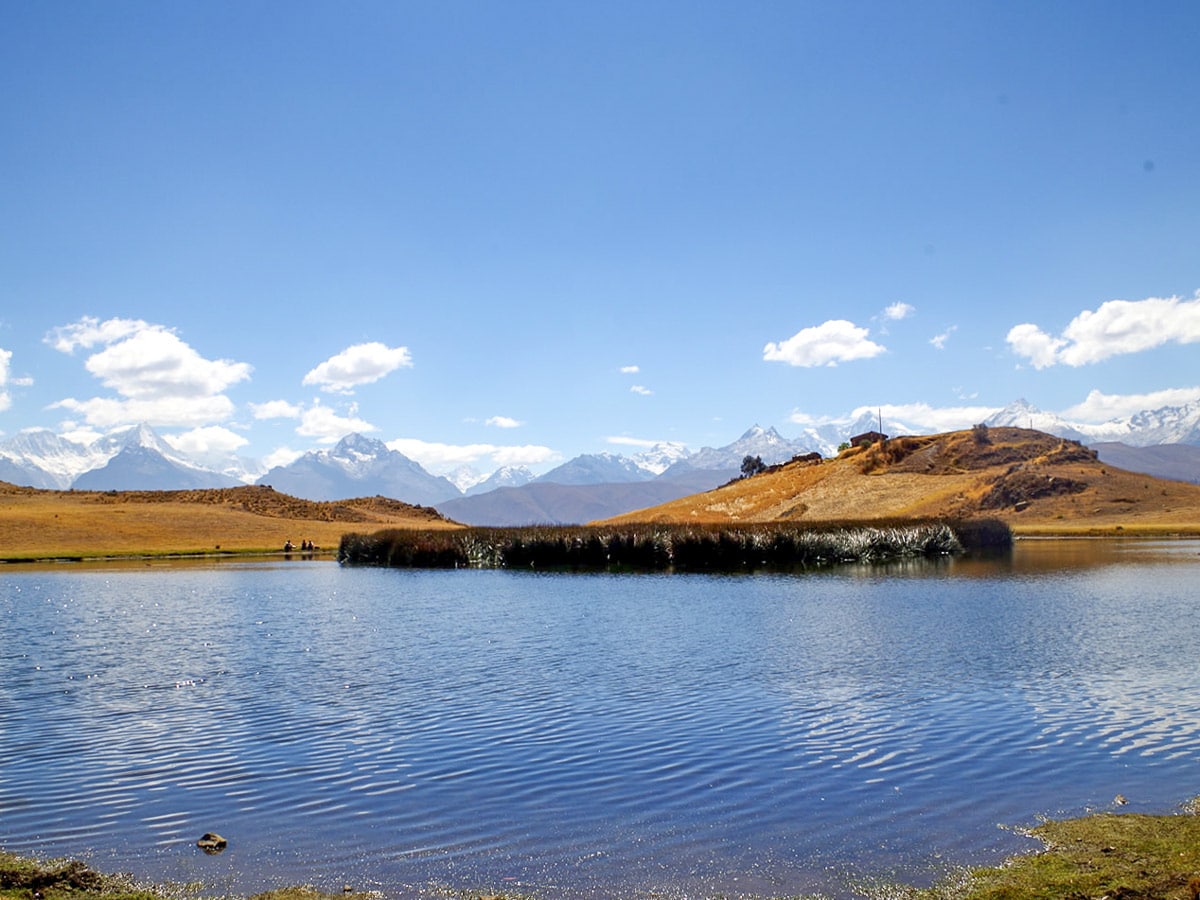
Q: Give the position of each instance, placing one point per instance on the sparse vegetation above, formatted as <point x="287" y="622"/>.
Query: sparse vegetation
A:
<point x="662" y="548"/>
<point x="1121" y="857"/>
<point x="752" y="465"/>
<point x="1124" y="856"/>
<point x="40" y="524"/>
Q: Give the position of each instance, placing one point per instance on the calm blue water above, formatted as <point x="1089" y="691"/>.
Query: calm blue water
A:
<point x="590" y="736"/>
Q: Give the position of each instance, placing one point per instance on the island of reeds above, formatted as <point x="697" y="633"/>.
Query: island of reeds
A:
<point x="670" y="548"/>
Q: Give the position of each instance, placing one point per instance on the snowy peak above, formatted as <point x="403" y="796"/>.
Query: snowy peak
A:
<point x="660" y="457"/>
<point x="597" y="468"/>
<point x="505" y="476"/>
<point x="766" y="443"/>
<point x="359" y="466"/>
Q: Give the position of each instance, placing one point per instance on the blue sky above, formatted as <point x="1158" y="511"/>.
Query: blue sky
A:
<point x="513" y="232"/>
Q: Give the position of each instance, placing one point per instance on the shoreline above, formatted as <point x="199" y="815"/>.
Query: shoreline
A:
<point x="330" y="553"/>
<point x="1133" y="856"/>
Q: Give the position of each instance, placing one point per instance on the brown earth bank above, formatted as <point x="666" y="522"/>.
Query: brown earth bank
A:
<point x="1034" y="482"/>
<point x="41" y="524"/>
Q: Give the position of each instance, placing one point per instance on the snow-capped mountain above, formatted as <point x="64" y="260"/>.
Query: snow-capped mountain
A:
<point x="1165" y="425"/>
<point x="359" y="466"/>
<point x="1023" y="414"/>
<point x="597" y="468"/>
<point x="135" y="458"/>
<point x="42" y="459"/>
<point x="137" y="467"/>
<point x="505" y="476"/>
<point x="661" y="456"/>
<point x="766" y="443"/>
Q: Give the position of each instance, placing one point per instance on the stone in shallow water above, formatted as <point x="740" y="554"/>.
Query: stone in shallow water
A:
<point x="211" y="843"/>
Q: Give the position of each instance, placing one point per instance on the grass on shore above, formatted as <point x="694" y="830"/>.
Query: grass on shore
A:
<point x="39" y="525"/>
<point x="1124" y="856"/>
<point x="654" y="548"/>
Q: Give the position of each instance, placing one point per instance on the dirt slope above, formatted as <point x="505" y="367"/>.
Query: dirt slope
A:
<point x="47" y="524"/>
<point x="1034" y="481"/>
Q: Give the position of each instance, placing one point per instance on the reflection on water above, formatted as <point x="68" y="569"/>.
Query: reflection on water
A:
<point x="590" y="735"/>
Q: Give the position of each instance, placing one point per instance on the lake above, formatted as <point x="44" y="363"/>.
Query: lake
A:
<point x="591" y="735"/>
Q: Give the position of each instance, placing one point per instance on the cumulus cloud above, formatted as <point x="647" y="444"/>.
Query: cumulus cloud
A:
<point x="1101" y="407"/>
<point x="207" y="442"/>
<point x="503" y="422"/>
<point x="641" y="389"/>
<point x="897" y="311"/>
<point x="157" y="376"/>
<point x="358" y="365"/>
<point x="440" y="458"/>
<point x="1114" y="328"/>
<point x="827" y="344"/>
<point x="106" y="412"/>
<point x="327" y="427"/>
<point x="276" y="409"/>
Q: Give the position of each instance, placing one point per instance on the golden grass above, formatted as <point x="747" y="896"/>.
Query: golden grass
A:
<point x="38" y="524"/>
<point x="951" y="476"/>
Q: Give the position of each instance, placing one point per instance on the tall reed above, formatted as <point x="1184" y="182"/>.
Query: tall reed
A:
<point x="653" y="548"/>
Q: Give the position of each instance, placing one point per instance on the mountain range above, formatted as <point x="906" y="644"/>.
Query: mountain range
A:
<point x="1163" y="442"/>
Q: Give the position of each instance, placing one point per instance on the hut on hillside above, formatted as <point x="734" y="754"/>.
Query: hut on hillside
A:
<point x="867" y="438"/>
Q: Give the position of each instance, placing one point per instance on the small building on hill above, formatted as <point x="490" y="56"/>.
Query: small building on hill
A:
<point x="867" y="438"/>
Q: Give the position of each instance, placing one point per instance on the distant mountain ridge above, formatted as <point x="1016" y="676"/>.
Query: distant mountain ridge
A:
<point x="359" y="466"/>
<point x="138" y="458"/>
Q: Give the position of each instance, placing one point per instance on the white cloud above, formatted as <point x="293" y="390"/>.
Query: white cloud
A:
<point x="939" y="340"/>
<point x="5" y="360"/>
<point x="281" y="456"/>
<point x="641" y="389"/>
<point x="630" y="370"/>
<point x="1114" y="328"/>
<point x="90" y="331"/>
<point x="898" y="311"/>
<point x="1100" y="407"/>
<point x="107" y="413"/>
<point x="503" y="422"/>
<point x="920" y="416"/>
<point x="644" y="443"/>
<point x="155" y="363"/>
<point x="208" y="441"/>
<point x="931" y="418"/>
<point x="158" y="377"/>
<point x="322" y="423"/>
<point x="827" y="344"/>
<point x="276" y="409"/>
<point x="357" y="365"/>
<point x="440" y="458"/>
<point x="1034" y="344"/>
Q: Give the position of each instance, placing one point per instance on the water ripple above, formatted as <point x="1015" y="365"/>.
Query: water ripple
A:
<point x="711" y="735"/>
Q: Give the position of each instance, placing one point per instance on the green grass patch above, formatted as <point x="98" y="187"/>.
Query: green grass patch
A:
<point x="1124" y="856"/>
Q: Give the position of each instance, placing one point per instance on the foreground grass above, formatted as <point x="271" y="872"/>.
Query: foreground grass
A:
<point x="1116" y="856"/>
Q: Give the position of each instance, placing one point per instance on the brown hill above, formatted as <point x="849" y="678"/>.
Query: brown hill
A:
<point x="1034" y="481"/>
<point x="38" y="524"/>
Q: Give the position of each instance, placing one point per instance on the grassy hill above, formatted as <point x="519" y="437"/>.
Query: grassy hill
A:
<point x="40" y="524"/>
<point x="1037" y="483"/>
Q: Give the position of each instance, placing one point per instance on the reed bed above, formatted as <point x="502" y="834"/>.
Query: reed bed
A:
<point x="659" y="548"/>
